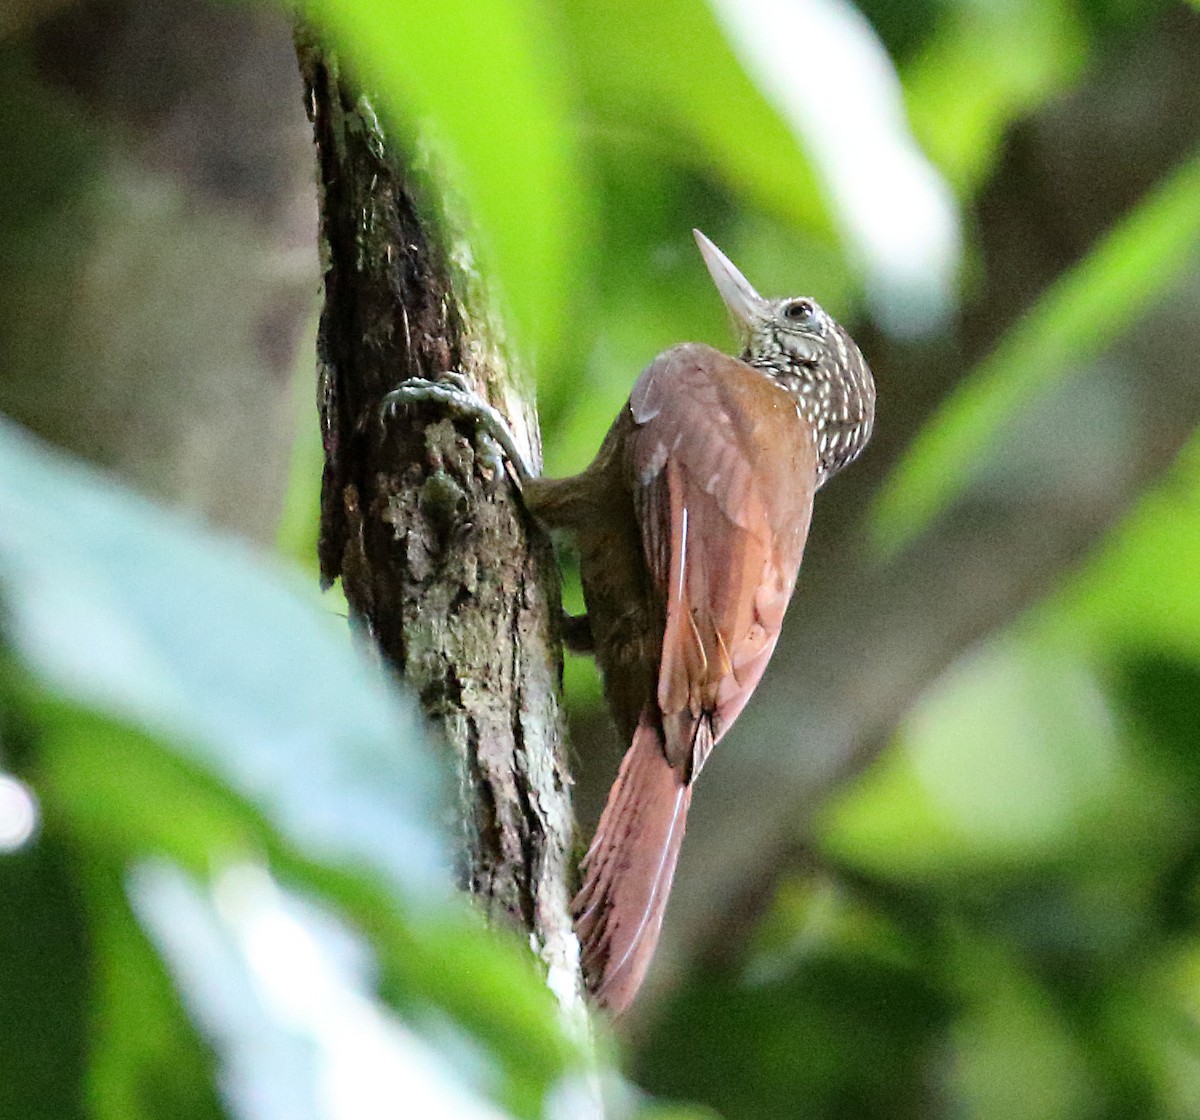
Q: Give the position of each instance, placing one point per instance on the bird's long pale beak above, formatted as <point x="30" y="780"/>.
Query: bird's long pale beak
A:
<point x="737" y="292"/>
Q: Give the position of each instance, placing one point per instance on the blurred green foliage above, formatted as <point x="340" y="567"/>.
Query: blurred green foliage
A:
<point x="136" y="700"/>
<point x="1089" y="306"/>
<point x="1001" y="918"/>
<point x="961" y="99"/>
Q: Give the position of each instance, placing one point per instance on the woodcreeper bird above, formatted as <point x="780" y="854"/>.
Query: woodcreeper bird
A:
<point x="691" y="523"/>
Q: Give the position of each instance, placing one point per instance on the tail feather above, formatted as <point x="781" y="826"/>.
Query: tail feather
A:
<point x="629" y="869"/>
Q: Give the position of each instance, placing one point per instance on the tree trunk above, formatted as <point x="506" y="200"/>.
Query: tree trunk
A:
<point x="440" y="565"/>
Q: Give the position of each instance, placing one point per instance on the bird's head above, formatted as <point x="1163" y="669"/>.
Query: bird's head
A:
<point x="797" y="343"/>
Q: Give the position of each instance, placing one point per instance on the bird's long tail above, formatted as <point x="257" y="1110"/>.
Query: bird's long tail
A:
<point x="629" y="868"/>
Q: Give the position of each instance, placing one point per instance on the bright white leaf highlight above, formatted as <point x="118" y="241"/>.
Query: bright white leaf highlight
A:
<point x="18" y="813"/>
<point x="822" y="67"/>
<point x="284" y="993"/>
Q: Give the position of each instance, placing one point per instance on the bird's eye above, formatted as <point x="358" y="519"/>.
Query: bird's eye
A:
<point x="798" y="310"/>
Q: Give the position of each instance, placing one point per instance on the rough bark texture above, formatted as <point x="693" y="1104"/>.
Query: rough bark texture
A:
<point x="421" y="522"/>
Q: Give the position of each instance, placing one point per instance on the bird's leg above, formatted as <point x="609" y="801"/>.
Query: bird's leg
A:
<point x="564" y="504"/>
<point x="453" y="391"/>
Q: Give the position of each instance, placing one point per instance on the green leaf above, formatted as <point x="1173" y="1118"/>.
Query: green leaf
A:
<point x="147" y="1059"/>
<point x="485" y="80"/>
<point x="1138" y="594"/>
<point x="1160" y="696"/>
<point x="285" y="991"/>
<point x="1002" y="761"/>
<point x="130" y="611"/>
<point x="962" y="95"/>
<point x="646" y="76"/>
<point x="1084" y="310"/>
<point x="1015" y="1054"/>
<point x="45" y="958"/>
<point x="119" y="794"/>
<point x="182" y="700"/>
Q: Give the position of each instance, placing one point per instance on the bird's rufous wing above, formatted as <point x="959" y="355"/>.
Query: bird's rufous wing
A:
<point x="724" y="475"/>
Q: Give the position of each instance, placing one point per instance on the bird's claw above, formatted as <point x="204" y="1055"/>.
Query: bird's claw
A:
<point x="454" y="392"/>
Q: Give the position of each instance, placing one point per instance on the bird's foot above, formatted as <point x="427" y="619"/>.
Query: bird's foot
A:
<point x="454" y="392"/>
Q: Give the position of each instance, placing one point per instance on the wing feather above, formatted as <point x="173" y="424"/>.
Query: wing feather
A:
<point x="723" y="483"/>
